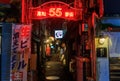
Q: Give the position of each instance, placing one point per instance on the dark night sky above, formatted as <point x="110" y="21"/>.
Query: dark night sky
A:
<point x="111" y="6"/>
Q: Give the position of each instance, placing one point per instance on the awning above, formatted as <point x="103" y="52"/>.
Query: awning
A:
<point x="111" y="20"/>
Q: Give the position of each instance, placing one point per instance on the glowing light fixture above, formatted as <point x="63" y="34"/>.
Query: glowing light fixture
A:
<point x="101" y="39"/>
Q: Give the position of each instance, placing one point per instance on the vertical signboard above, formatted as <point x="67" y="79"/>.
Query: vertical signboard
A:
<point x="20" y="52"/>
<point x="102" y="59"/>
<point x="5" y="51"/>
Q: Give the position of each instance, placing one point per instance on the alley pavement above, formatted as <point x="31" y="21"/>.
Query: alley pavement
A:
<point x="56" y="71"/>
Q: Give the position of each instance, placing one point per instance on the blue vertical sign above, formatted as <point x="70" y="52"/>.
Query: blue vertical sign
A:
<point x="102" y="60"/>
<point x="6" y="51"/>
<point x="102" y="69"/>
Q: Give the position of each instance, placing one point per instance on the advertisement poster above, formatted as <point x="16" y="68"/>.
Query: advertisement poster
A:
<point x="20" y="52"/>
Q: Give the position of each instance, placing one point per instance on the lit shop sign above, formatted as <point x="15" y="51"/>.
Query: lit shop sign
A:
<point x="58" y="34"/>
<point x="54" y="9"/>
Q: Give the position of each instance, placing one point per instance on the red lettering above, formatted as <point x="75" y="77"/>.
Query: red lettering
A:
<point x="41" y="13"/>
<point x="69" y="14"/>
<point x="55" y="12"/>
<point x="25" y="31"/>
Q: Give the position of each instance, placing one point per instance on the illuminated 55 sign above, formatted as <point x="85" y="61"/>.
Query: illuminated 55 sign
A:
<point x="54" y="9"/>
<point x="54" y="12"/>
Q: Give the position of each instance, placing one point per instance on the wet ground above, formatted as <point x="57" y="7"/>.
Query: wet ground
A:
<point x="56" y="71"/>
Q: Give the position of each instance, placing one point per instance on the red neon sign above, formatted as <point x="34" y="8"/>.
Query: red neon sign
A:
<point x="54" y="9"/>
<point x="54" y="12"/>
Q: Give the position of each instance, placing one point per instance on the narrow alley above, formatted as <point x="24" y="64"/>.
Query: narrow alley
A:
<point x="59" y="40"/>
<point x="56" y="71"/>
